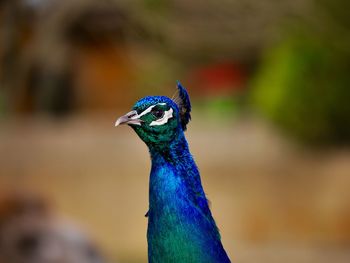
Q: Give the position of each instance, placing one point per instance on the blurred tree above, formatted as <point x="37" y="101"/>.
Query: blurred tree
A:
<point x="303" y="82"/>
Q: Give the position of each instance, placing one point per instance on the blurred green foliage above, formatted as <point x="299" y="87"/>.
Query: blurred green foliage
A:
<point x="221" y="108"/>
<point x="303" y="86"/>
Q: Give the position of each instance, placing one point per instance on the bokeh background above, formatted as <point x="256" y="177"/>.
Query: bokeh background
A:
<point x="270" y="87"/>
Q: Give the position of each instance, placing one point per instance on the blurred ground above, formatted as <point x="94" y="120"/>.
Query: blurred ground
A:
<point x="273" y="201"/>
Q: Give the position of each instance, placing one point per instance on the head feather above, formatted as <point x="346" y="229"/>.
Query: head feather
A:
<point x="182" y="100"/>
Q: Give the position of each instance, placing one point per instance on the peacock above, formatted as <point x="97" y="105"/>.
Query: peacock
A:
<point x="181" y="227"/>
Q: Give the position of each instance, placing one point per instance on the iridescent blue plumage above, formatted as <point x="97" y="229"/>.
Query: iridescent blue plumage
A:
<point x="180" y="225"/>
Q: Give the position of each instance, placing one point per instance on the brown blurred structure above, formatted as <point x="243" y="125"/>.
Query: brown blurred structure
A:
<point x="70" y="55"/>
<point x="31" y="233"/>
<point x="81" y="55"/>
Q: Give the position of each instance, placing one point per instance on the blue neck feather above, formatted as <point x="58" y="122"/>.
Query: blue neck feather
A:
<point x="181" y="227"/>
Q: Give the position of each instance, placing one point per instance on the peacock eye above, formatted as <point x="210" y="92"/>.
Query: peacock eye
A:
<point x="157" y="113"/>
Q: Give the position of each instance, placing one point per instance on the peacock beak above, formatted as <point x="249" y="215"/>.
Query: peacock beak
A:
<point x="130" y="118"/>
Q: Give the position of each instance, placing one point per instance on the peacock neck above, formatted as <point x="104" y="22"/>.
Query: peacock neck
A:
<point x="180" y="225"/>
<point x="173" y="152"/>
<point x="173" y="170"/>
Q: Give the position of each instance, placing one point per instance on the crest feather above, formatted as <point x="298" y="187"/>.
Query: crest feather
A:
<point x="182" y="99"/>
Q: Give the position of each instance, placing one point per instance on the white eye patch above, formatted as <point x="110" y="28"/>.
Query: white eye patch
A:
<point x="167" y="115"/>
<point x="149" y="109"/>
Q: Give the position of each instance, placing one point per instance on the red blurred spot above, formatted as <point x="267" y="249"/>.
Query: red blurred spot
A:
<point x="222" y="78"/>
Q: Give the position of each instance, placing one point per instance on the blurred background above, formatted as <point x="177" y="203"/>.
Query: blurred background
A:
<point x="270" y="87"/>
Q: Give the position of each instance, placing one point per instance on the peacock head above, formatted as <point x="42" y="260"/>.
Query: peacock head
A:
<point x="157" y="120"/>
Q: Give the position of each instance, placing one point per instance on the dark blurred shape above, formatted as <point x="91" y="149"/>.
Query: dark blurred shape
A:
<point x="31" y="233"/>
<point x="65" y="56"/>
<point x="48" y="91"/>
<point x="28" y="245"/>
<point x="99" y="24"/>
